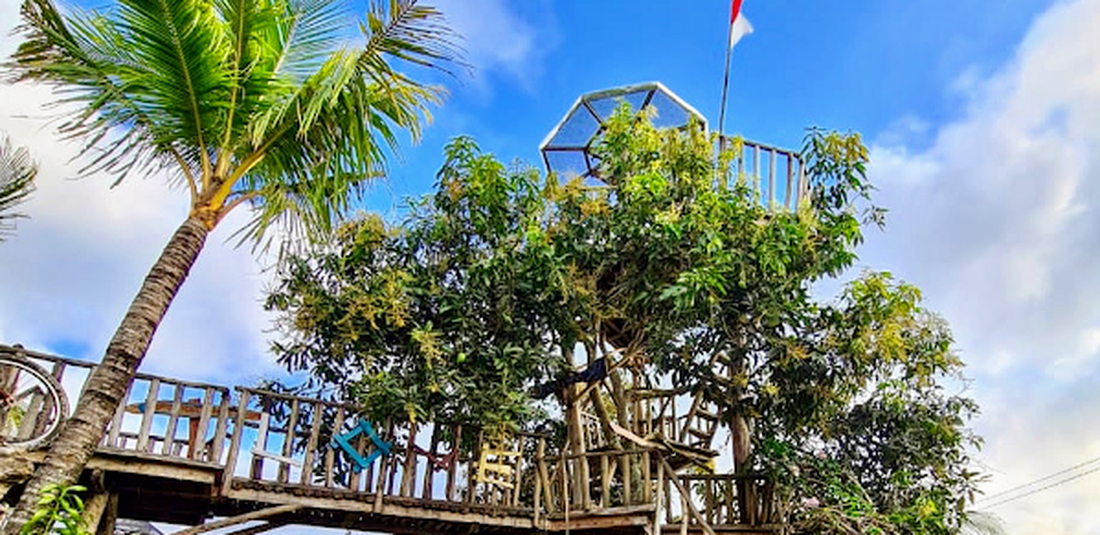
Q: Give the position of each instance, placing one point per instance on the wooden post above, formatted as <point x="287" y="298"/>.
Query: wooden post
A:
<point x="106" y="524"/>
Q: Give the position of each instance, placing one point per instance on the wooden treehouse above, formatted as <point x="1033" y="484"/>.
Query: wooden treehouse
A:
<point x="636" y="458"/>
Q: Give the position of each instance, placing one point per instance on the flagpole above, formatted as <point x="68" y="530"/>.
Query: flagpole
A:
<point x="725" y="90"/>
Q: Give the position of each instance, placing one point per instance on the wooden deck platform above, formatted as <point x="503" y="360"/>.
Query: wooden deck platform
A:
<point x="184" y="453"/>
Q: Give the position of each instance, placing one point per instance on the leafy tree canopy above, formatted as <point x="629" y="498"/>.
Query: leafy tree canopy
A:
<point x="488" y="285"/>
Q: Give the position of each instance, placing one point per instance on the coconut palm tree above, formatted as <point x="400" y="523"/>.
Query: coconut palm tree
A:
<point x="276" y="105"/>
<point x="17" y="172"/>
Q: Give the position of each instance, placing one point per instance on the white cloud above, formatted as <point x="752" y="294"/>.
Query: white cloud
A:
<point x="498" y="39"/>
<point x="998" y="219"/>
<point x="69" y="273"/>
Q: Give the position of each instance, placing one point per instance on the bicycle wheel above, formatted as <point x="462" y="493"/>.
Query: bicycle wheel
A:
<point x="32" y="404"/>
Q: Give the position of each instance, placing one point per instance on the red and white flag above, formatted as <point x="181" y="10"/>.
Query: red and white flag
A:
<point x="739" y="25"/>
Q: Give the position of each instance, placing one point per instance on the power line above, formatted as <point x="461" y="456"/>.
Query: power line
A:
<point x="1040" y="480"/>
<point x="1040" y="489"/>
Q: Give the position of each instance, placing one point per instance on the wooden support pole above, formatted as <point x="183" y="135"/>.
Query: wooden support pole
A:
<point x="239" y="519"/>
<point x="106" y="523"/>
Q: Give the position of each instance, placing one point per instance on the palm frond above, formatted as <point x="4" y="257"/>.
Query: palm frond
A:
<point x="90" y="60"/>
<point x="17" y="172"/>
<point x="182" y="51"/>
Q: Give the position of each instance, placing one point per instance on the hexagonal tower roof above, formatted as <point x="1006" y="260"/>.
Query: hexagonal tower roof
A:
<point x="567" y="149"/>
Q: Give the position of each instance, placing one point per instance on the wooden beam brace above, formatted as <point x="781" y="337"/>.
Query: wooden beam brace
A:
<point x="687" y="498"/>
<point x="254" y="530"/>
<point x="239" y="519"/>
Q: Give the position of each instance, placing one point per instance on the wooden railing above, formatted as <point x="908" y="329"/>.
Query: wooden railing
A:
<point x="288" y="441"/>
<point x="271" y="441"/>
<point x="720" y="499"/>
<point x="160" y="415"/>
<point x="778" y="174"/>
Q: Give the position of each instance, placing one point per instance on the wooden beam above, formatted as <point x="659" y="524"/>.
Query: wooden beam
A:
<point x="267" y="526"/>
<point x="239" y="519"/>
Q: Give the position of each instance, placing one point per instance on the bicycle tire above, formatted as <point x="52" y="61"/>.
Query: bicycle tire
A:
<point x="54" y="394"/>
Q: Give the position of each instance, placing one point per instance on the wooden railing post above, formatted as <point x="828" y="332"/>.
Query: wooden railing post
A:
<point x="173" y="421"/>
<point x="221" y="428"/>
<point x="196" y="434"/>
<point x="330" y="453"/>
<point x="147" y="416"/>
<point x="544" y="474"/>
<point x="311" y="446"/>
<point x="288" y="444"/>
<point x="235" y="443"/>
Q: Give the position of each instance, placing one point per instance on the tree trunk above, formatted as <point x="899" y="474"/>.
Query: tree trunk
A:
<point x="107" y="384"/>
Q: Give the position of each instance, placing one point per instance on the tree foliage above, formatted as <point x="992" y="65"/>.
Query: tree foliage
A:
<point x="486" y="287"/>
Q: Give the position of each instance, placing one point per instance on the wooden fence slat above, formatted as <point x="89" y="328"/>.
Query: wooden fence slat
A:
<point x="330" y="452"/>
<point x="430" y="467"/>
<point x="408" y="472"/>
<point x="116" y="422"/>
<point x="173" y="420"/>
<point x="311" y="446"/>
<point x="235" y="442"/>
<point x="260" y="445"/>
<point x="197" y="439"/>
<point x="790" y="181"/>
<point x="147" y="416"/>
<point x="452" y="470"/>
<point x="353" y="479"/>
<point x="288" y="444"/>
<point x="755" y="170"/>
<point x="605" y="482"/>
<point x="771" y="177"/>
<point x="221" y="428"/>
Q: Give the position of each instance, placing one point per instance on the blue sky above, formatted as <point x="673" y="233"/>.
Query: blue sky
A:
<point x="858" y="65"/>
<point x="983" y="119"/>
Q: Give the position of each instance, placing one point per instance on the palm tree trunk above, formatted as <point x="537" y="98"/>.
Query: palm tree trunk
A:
<point x="107" y="384"/>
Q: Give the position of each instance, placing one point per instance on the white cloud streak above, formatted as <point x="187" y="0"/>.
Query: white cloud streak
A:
<point x="499" y="41"/>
